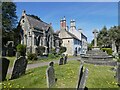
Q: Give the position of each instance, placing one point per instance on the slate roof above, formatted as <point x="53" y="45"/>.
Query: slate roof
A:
<point x="37" y="24"/>
<point x="72" y="35"/>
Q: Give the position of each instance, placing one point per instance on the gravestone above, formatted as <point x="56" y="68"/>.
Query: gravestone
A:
<point x="80" y="75"/>
<point x="17" y="55"/>
<point x="65" y="59"/>
<point x="19" y="67"/>
<point x="82" y="78"/>
<point x="50" y="74"/>
<point x="10" y="48"/>
<point x="118" y="74"/>
<point x="5" y="65"/>
<point x="61" y="61"/>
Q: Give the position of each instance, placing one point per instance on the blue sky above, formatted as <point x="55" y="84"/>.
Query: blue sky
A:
<point x="88" y="15"/>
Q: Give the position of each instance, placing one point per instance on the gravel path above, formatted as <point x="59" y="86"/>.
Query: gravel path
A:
<point x="30" y="66"/>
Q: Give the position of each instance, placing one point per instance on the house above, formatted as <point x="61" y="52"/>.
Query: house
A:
<point x="74" y="40"/>
<point x="34" y="33"/>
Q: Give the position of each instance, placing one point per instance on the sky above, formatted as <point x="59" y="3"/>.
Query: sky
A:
<point x="88" y="15"/>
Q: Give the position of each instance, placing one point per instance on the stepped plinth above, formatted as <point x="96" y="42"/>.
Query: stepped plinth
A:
<point x="97" y="56"/>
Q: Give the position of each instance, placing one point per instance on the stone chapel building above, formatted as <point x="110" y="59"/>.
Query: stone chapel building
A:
<point x="34" y="33"/>
<point x="74" y="40"/>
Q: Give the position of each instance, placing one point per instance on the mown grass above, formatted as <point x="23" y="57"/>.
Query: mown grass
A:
<point x="67" y="77"/>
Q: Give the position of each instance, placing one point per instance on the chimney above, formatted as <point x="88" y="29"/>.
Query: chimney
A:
<point x="72" y="24"/>
<point x="63" y="23"/>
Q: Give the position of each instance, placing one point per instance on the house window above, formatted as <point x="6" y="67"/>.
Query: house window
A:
<point x="68" y="41"/>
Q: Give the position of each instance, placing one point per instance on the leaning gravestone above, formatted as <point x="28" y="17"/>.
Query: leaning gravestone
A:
<point x="65" y="59"/>
<point x="50" y="74"/>
<point x="19" y="67"/>
<point x="5" y="65"/>
<point x="61" y="61"/>
<point x="82" y="78"/>
<point x="118" y="74"/>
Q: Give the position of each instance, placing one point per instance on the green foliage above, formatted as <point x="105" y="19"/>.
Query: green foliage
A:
<point x="9" y="21"/>
<point x="89" y="46"/>
<point x="21" y="49"/>
<point x="118" y="60"/>
<point x="51" y="55"/>
<point x="53" y="51"/>
<point x="40" y="50"/>
<point x="108" y="50"/>
<point x="32" y="56"/>
<point x="103" y="38"/>
<point x="62" y="49"/>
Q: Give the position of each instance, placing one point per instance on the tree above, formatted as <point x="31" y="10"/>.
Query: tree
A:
<point x="9" y="20"/>
<point x="103" y="38"/>
<point x="114" y="34"/>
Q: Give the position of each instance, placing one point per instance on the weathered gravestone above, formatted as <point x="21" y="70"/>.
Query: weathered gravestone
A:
<point x="50" y="74"/>
<point x="10" y="48"/>
<point x="19" y="67"/>
<point x="82" y="78"/>
<point x="5" y="65"/>
<point x="118" y="74"/>
<point x="61" y="61"/>
<point x="65" y="59"/>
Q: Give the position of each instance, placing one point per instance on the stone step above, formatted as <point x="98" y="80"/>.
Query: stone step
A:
<point x="111" y="63"/>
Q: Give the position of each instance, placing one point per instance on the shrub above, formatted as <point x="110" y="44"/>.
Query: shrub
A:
<point x="51" y="55"/>
<point x="40" y="50"/>
<point x="108" y="50"/>
<point x="32" y="56"/>
<point x="62" y="49"/>
<point x="118" y="60"/>
<point x="53" y="51"/>
<point x="21" y="49"/>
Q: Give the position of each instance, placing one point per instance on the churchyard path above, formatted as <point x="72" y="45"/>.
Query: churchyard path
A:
<point x="35" y="65"/>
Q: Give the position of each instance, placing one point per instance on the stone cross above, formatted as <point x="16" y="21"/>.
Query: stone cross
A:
<point x="50" y="74"/>
<point x="95" y="32"/>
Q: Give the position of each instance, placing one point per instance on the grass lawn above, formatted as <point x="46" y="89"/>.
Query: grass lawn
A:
<point x="67" y="77"/>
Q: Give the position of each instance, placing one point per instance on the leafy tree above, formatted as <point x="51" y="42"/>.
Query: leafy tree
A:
<point x="114" y="34"/>
<point x="9" y="20"/>
<point x="103" y="38"/>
